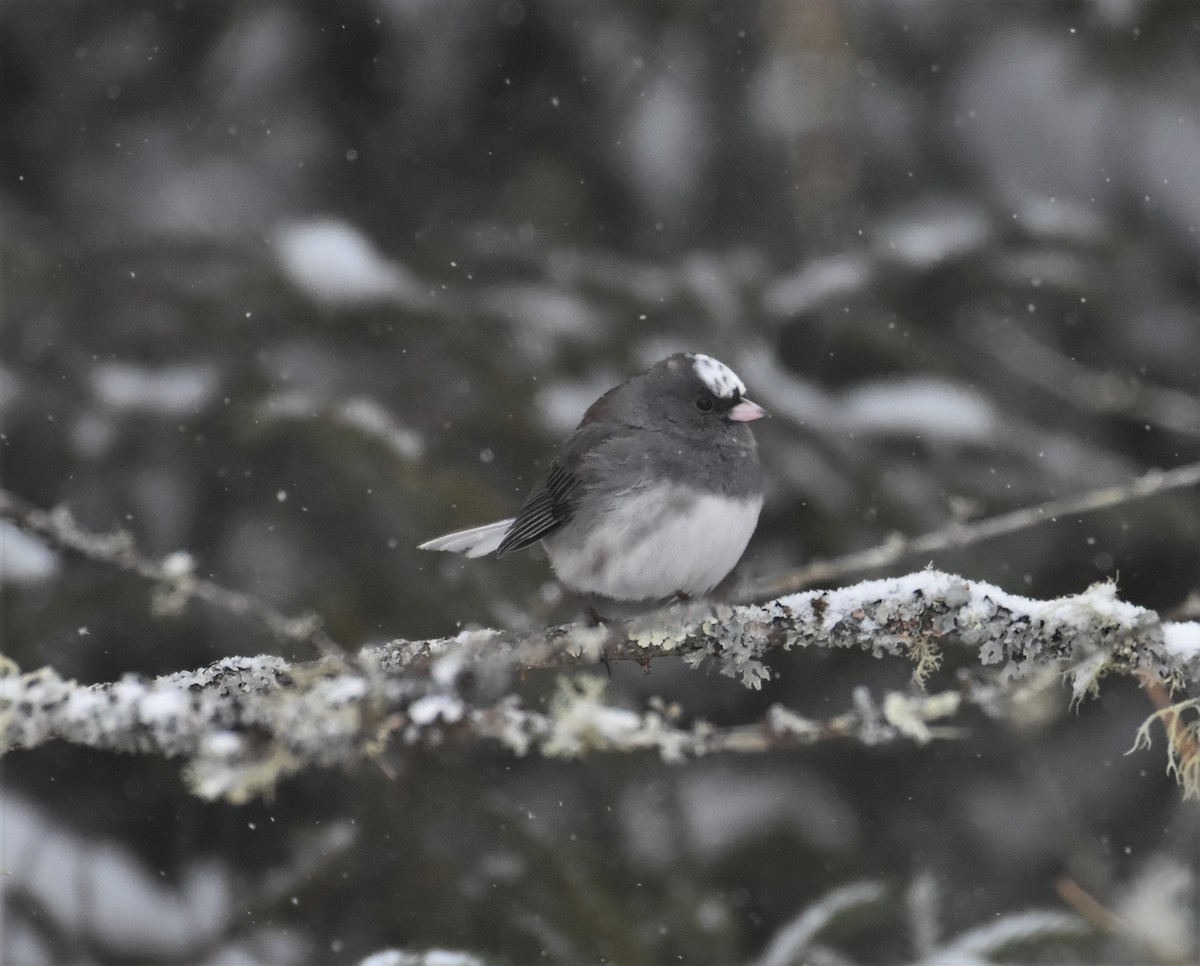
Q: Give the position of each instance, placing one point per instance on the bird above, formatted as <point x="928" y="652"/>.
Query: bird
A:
<point x="654" y="495"/>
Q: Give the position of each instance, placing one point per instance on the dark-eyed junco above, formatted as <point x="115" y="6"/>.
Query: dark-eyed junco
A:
<point x="655" y="493"/>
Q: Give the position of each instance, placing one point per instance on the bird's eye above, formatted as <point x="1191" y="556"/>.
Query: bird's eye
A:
<point x="704" y="404"/>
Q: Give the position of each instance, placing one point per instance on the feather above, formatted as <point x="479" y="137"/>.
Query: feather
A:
<point x="551" y="504"/>
<point x="475" y="542"/>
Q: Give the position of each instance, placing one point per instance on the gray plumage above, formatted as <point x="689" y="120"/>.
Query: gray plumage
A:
<point x="656" y="492"/>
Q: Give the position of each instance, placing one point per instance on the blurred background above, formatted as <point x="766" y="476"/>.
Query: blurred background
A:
<point x="294" y="286"/>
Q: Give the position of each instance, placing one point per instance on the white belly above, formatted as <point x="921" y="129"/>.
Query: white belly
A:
<point x="654" y="543"/>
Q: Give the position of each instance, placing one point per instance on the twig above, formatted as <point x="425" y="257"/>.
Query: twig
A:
<point x="957" y="534"/>
<point x="1101" y="392"/>
<point x="174" y="575"/>
<point x="1088" y="906"/>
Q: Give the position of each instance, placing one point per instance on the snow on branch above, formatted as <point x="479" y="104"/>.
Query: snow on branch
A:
<point x="243" y="723"/>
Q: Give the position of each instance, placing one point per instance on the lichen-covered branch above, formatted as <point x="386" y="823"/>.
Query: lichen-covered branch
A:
<point x="242" y="723"/>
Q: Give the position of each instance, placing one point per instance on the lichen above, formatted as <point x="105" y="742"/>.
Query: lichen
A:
<point x="741" y="648"/>
<point x="1183" y="743"/>
<point x="911" y="715"/>
<point x="582" y="721"/>
<point x="926" y="657"/>
<point x="657" y="638"/>
<point x="221" y="771"/>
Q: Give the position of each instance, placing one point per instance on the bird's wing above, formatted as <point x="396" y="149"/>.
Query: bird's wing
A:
<point x="552" y="503"/>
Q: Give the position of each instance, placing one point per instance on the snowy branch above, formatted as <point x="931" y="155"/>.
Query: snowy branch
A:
<point x="241" y="724"/>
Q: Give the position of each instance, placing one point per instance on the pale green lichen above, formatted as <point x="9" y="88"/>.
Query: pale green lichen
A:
<point x="657" y="638"/>
<point x="926" y="657"/>
<point x="1183" y="743"/>
<point x="510" y="724"/>
<point x="784" y="721"/>
<point x="582" y="721"/>
<point x="243" y="781"/>
<point x="911" y="715"/>
<point x="742" y="644"/>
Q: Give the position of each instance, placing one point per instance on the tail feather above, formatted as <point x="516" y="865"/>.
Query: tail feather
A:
<point x="475" y="542"/>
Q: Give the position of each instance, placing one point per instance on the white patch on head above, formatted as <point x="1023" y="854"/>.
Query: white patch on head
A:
<point x="720" y="379"/>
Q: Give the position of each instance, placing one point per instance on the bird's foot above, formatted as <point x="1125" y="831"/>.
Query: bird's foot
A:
<point x="616" y="633"/>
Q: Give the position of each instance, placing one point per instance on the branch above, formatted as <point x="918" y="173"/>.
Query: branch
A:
<point x="957" y="534"/>
<point x="241" y="724"/>
<point x="174" y="576"/>
<point x="1107" y="393"/>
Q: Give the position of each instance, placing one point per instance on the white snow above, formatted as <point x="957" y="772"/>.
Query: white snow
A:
<point x="222" y="744"/>
<point x="843" y="602"/>
<point x="162" y="707"/>
<point x="173" y="390"/>
<point x="103" y="891"/>
<point x="333" y="263"/>
<point x="23" y="559"/>
<point x="818" y="282"/>
<point x="430" y="708"/>
<point x="789" y="94"/>
<point x="127" y="692"/>
<point x="977" y="602"/>
<point x="1182" y="639"/>
<point x="545" y="309"/>
<point x="666" y="142"/>
<point x="925" y="407"/>
<point x="924" y="238"/>
<point x="427" y="957"/>
<point x="561" y="405"/>
<point x="444" y="671"/>
<point x="1099" y="600"/>
<point x="371" y="418"/>
<point x="1158" y="905"/>
<point x="178" y="565"/>
<point x="83" y="705"/>
<point x="724" y="805"/>
<point x="343" y="689"/>
<point x="359" y="413"/>
<point x="1062" y="218"/>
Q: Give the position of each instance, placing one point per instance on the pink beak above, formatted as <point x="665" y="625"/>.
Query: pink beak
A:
<point x="746" y="412"/>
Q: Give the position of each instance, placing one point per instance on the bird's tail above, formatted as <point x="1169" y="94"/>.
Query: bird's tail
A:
<point x="475" y="542"/>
